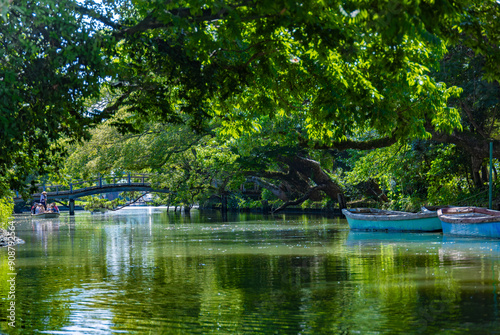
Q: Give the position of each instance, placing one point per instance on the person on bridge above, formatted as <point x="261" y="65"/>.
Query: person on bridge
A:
<point x="43" y="200"/>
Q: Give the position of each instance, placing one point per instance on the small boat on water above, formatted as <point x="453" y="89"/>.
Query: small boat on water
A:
<point x="470" y="221"/>
<point x="99" y="210"/>
<point x="373" y="219"/>
<point x="46" y="215"/>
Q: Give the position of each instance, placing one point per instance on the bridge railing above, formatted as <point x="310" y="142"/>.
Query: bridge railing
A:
<point x="99" y="182"/>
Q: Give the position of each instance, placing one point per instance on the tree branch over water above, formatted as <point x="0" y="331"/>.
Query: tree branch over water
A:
<point x="352" y="144"/>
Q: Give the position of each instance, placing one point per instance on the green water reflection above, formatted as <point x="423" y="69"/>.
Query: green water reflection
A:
<point x="147" y="271"/>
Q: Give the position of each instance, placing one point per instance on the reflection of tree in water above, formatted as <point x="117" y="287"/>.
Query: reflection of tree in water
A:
<point x="289" y="274"/>
<point x="441" y="284"/>
<point x="44" y="230"/>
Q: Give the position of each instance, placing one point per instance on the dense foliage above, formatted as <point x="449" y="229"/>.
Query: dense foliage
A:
<point x="340" y="68"/>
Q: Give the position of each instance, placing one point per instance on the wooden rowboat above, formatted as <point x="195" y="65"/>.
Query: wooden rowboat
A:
<point x="470" y="221"/>
<point x="373" y="219"/>
<point x="46" y="215"/>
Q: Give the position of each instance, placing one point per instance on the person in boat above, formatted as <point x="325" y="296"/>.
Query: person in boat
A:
<point x="39" y="209"/>
<point x="55" y="209"/>
<point x="43" y="200"/>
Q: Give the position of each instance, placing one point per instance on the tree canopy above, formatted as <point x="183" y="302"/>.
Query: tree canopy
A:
<point x="342" y="68"/>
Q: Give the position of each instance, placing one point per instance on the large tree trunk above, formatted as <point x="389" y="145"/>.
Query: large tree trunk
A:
<point x="476" y="177"/>
<point x="371" y="189"/>
<point x="279" y="192"/>
<point x="312" y="170"/>
<point x="475" y="146"/>
<point x="305" y="179"/>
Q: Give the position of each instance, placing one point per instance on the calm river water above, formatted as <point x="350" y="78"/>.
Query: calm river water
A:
<point x="146" y="271"/>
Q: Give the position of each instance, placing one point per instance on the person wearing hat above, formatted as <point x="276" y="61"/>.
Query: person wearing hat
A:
<point x="43" y="200"/>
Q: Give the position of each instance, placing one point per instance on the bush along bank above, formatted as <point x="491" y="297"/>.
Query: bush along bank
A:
<point x="7" y="236"/>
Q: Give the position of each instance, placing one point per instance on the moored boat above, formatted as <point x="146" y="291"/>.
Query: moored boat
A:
<point x="373" y="219"/>
<point x="46" y="215"/>
<point x="99" y="210"/>
<point x="470" y="221"/>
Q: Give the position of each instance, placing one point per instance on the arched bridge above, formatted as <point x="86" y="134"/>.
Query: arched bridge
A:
<point x="101" y="184"/>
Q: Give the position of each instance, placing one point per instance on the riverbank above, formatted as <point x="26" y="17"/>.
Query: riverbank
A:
<point x="5" y="238"/>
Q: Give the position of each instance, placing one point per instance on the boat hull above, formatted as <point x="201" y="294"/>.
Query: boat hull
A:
<point x="46" y="215"/>
<point x="393" y="221"/>
<point x="427" y="224"/>
<point x="487" y="229"/>
<point x="470" y="221"/>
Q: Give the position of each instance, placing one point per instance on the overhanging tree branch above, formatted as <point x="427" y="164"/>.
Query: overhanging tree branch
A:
<point x="352" y="144"/>
<point x="306" y="196"/>
<point x="277" y="191"/>
<point x="98" y="17"/>
<point x="207" y="15"/>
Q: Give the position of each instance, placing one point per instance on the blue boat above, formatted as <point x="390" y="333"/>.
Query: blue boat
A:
<point x="373" y="219"/>
<point x="470" y="221"/>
